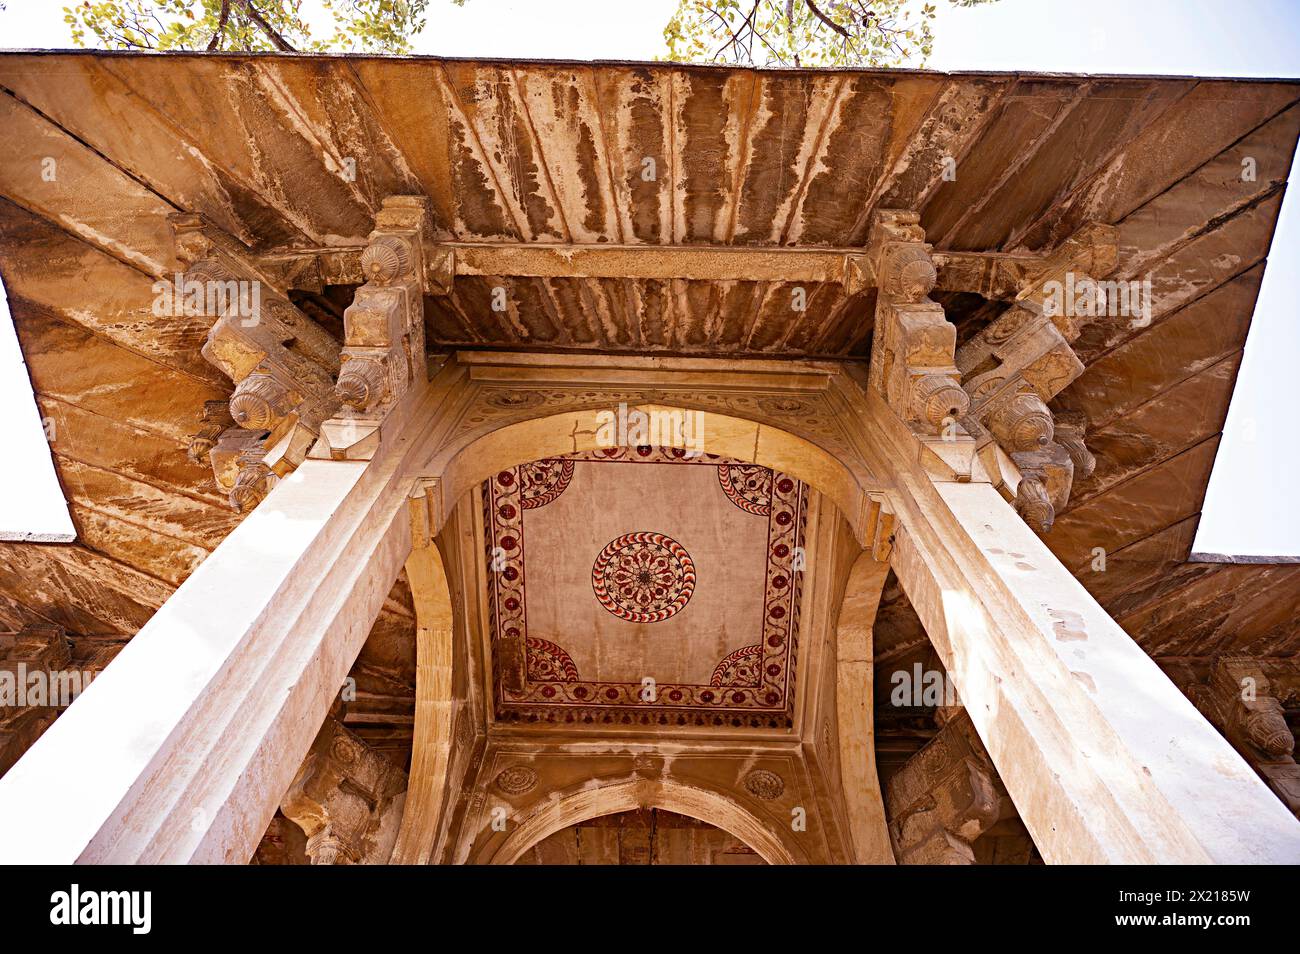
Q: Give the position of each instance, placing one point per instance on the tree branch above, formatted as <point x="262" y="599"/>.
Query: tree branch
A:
<point x="221" y="26"/>
<point x="266" y="28"/>
<point x="825" y="19"/>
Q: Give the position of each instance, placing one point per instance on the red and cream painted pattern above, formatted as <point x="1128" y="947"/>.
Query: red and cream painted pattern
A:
<point x="646" y="578"/>
<point x="748" y="486"/>
<point x="643" y="577"/>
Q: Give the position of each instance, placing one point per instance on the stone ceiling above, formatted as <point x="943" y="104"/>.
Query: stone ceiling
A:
<point x="300" y="151"/>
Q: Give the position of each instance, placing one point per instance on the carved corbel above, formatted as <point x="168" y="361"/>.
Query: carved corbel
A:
<point x="340" y="797"/>
<point x="281" y="363"/>
<point x="1046" y="476"/>
<point x="1238" y="700"/>
<point x="214" y="419"/>
<point x="1021" y="360"/>
<point x="253" y="481"/>
<point x="383" y="354"/>
<point x="944" y="798"/>
<point x="912" y="351"/>
<point x="1071" y="427"/>
<point x="37" y="680"/>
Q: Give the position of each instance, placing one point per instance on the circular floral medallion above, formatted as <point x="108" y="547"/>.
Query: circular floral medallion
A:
<point x="764" y="784"/>
<point x="643" y="577"/>
<point x="516" y="779"/>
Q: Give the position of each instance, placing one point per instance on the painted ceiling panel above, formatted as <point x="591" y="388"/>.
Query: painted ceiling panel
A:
<point x="645" y="584"/>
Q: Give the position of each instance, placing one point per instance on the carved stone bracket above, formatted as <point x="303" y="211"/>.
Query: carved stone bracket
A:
<point x="1019" y="362"/>
<point x="1238" y="699"/>
<point x="383" y="353"/>
<point x="944" y="798"/>
<point x="912" y="350"/>
<point x="341" y="797"/>
<point x="281" y="362"/>
<point x="37" y="681"/>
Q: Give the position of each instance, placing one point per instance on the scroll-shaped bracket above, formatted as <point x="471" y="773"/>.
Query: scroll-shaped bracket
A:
<point x="383" y="352"/>
<point x="944" y="798"/>
<point x="1023" y="359"/>
<point x="340" y="795"/>
<point x="281" y="363"/>
<point x="912" y="360"/>
<point x="1238" y="699"/>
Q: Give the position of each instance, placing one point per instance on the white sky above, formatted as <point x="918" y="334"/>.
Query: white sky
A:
<point x="1249" y="507"/>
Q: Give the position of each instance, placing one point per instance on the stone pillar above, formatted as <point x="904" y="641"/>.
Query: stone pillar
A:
<point x="1104" y="758"/>
<point x="181" y="749"/>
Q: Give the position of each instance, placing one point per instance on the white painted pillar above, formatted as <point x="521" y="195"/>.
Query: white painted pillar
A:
<point x="1104" y="757"/>
<point x="181" y="750"/>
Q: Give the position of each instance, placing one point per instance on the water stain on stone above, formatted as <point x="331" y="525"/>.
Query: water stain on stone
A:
<point x="1069" y="626"/>
<point x="1085" y="679"/>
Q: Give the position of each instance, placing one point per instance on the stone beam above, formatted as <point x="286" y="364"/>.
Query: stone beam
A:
<point x="996" y="275"/>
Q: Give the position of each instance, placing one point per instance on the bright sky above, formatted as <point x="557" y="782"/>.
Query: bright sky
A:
<point x="1249" y="507"/>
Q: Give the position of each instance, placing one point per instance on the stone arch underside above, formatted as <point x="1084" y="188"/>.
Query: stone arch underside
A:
<point x="461" y="459"/>
<point x="562" y="809"/>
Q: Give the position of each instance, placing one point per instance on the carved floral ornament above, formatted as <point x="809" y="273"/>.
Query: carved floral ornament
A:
<point x="764" y="785"/>
<point x="516" y="780"/>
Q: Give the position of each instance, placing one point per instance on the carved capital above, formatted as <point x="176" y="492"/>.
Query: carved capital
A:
<point x="1023" y="358"/>
<point x="281" y="363"/>
<point x="252" y="481"/>
<point x="214" y="419"/>
<point x="383" y="352"/>
<point x="1021" y="422"/>
<point x="1238" y="699"/>
<point x="1070" y="429"/>
<point x="340" y="795"/>
<point x="944" y="798"/>
<point x="912" y="350"/>
<point x="1046" y="477"/>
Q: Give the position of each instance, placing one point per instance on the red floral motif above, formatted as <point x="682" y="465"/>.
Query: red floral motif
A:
<point x="643" y="577"/>
<point x="748" y="486"/>
<point x="541" y="481"/>
<point x="547" y="662"/>
<point x="740" y="668"/>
